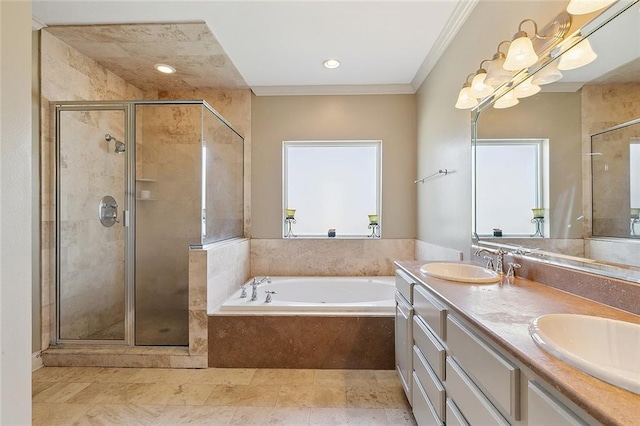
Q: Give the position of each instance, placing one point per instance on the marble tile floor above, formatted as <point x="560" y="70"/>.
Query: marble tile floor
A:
<point x="217" y="396"/>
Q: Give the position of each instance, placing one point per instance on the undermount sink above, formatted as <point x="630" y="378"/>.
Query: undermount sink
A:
<point x="461" y="272"/>
<point x="604" y="348"/>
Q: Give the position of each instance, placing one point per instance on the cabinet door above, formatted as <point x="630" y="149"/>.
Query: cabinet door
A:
<point x="546" y="410"/>
<point x="404" y="343"/>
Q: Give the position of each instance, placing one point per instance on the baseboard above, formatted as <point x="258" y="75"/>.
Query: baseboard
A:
<point x="36" y="361"/>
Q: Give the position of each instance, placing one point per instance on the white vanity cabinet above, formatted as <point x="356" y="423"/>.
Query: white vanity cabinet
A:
<point x="458" y="376"/>
<point x="403" y="331"/>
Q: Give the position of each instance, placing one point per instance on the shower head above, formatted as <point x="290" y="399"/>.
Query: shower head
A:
<point x="120" y="146"/>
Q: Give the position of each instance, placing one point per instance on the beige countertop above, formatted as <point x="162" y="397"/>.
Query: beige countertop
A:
<point x="504" y="311"/>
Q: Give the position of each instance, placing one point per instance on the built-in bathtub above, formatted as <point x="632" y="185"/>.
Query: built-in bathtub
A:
<point x="311" y="322"/>
<point x="318" y="295"/>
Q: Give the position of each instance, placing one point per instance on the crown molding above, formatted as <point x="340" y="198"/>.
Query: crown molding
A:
<point x="460" y="14"/>
<point x="362" y="89"/>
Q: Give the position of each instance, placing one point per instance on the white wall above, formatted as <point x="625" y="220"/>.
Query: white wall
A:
<point x="444" y="133"/>
<point x="15" y="212"/>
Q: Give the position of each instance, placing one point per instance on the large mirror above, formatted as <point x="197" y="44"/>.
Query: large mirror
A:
<point x="557" y="174"/>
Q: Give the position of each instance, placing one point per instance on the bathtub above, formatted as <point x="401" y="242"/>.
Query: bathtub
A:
<point x="311" y="322"/>
<point x="296" y="295"/>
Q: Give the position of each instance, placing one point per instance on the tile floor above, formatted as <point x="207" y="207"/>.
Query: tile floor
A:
<point x="215" y="396"/>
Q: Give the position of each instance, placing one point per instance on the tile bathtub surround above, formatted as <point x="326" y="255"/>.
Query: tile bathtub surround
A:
<point x="86" y="395"/>
<point x="328" y="257"/>
<point x="270" y="341"/>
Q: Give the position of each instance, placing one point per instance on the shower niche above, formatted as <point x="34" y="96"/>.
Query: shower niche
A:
<point x="165" y="176"/>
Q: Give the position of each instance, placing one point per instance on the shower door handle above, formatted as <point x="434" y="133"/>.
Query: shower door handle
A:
<point x="108" y="211"/>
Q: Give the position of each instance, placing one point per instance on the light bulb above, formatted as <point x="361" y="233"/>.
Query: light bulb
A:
<point x="526" y="89"/>
<point x="578" y="56"/>
<point x="478" y="87"/>
<point x="465" y="100"/>
<point x="496" y="74"/>
<point x="548" y="74"/>
<point x="582" y="7"/>
<point x="521" y="53"/>
<point x="508" y="100"/>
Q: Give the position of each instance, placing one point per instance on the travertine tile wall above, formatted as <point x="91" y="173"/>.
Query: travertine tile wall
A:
<point x="92" y="293"/>
<point x="66" y="75"/>
<point x="307" y="257"/>
<point x="235" y="106"/>
<point x="168" y="151"/>
<point x="604" y="106"/>
<point x="215" y="272"/>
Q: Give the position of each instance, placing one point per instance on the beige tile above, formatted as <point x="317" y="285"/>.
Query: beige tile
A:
<point x="60" y="392"/>
<point x="244" y="395"/>
<point x="48" y="414"/>
<point x="271" y="416"/>
<point x="270" y="376"/>
<point x="347" y="416"/>
<point x="398" y="416"/>
<point x="161" y="375"/>
<point x="116" y="414"/>
<point x="376" y="397"/>
<point x="312" y="396"/>
<point x="190" y="394"/>
<point x="345" y="377"/>
<point x="195" y="415"/>
<point x="37" y="387"/>
<point x="52" y="374"/>
<point x="103" y="393"/>
<point x="387" y="378"/>
<point x="223" y="376"/>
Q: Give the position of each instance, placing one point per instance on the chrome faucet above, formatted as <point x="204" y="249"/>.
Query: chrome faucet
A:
<point x="254" y="285"/>
<point x="498" y="253"/>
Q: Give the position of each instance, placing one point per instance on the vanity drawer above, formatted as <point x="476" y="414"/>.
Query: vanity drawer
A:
<point x="430" y="346"/>
<point x="423" y="411"/>
<point x="404" y="285"/>
<point x="431" y="311"/>
<point x="474" y="406"/>
<point x="454" y="416"/>
<point x="546" y="410"/>
<point x="490" y="370"/>
<point x="429" y="382"/>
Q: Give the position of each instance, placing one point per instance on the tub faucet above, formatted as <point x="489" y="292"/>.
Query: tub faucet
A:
<point x="254" y="285"/>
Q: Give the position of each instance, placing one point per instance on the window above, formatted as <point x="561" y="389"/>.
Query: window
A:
<point x="508" y="169"/>
<point x="331" y="185"/>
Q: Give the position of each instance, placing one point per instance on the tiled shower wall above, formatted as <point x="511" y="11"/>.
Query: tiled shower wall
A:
<point x="604" y="106"/>
<point x="66" y="75"/>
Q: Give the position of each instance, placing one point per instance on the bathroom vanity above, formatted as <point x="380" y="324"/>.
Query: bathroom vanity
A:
<point x="465" y="356"/>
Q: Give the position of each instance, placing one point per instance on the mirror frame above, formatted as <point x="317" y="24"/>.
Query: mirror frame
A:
<point x="611" y="270"/>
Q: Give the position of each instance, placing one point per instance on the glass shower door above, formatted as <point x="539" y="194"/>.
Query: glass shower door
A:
<point x="91" y="170"/>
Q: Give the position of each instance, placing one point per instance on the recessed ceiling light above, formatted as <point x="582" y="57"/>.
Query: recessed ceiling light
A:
<point x="164" y="68"/>
<point x="331" y="63"/>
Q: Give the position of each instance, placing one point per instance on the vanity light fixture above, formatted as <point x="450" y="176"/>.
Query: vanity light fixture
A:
<point x="548" y="74"/>
<point x="331" y="63"/>
<point x="582" y="7"/>
<point x="521" y="53"/>
<point x="508" y="100"/>
<point x="479" y="89"/>
<point x="465" y="99"/>
<point x="496" y="74"/>
<point x="577" y="56"/>
<point x="526" y="89"/>
<point x="165" y="69"/>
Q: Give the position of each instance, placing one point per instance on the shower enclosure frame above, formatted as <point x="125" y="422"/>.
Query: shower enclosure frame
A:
<point x="128" y="211"/>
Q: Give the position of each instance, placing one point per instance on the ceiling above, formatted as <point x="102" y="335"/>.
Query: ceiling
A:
<point x="276" y="47"/>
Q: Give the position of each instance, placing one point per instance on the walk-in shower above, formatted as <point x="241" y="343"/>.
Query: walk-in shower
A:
<point x="137" y="184"/>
